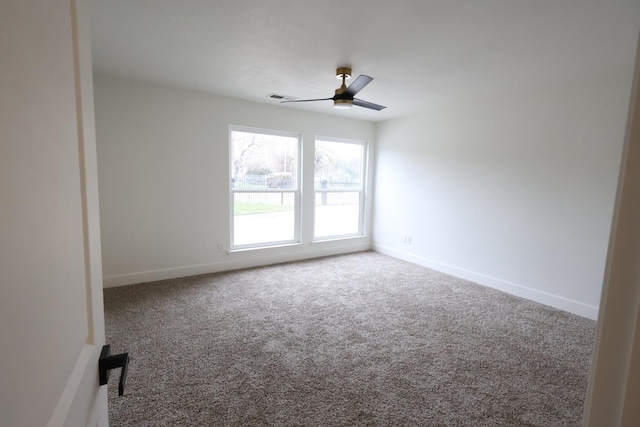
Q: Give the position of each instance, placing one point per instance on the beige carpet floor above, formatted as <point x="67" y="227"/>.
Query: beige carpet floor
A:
<point x="354" y="340"/>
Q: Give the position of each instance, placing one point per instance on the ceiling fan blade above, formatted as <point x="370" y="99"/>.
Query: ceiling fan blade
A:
<point x="357" y="85"/>
<point x="307" y="100"/>
<point x="366" y="104"/>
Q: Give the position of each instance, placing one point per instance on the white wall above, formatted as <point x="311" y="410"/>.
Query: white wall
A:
<point x="514" y="192"/>
<point x="163" y="166"/>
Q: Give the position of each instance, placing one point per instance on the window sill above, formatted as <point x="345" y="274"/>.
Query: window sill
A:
<point x="256" y="248"/>
<point x="337" y="239"/>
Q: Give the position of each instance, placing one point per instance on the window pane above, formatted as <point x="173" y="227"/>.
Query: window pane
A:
<point x="337" y="214"/>
<point x="260" y="162"/>
<point x="263" y="217"/>
<point x="338" y="184"/>
<point x="264" y="185"/>
<point x="338" y="165"/>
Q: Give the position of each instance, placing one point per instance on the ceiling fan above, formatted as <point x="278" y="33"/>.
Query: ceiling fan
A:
<point x="344" y="97"/>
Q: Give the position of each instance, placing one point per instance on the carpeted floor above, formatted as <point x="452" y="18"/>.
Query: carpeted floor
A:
<point x="354" y="340"/>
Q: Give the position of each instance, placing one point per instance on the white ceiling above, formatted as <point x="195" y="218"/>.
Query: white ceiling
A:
<point x="419" y="52"/>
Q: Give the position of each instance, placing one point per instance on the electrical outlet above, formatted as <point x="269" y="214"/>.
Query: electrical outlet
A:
<point x="407" y="240"/>
<point x="220" y="246"/>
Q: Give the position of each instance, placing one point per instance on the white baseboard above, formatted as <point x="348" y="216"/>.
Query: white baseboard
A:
<point x="316" y="250"/>
<point x="235" y="261"/>
<point x="561" y="303"/>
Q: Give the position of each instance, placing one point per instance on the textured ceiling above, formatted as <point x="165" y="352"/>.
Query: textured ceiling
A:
<point x="419" y="52"/>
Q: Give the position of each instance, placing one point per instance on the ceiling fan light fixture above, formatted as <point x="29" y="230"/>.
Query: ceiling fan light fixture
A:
<point x="343" y="104"/>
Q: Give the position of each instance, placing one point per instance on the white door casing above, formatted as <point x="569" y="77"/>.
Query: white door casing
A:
<point x="614" y="385"/>
<point x="51" y="309"/>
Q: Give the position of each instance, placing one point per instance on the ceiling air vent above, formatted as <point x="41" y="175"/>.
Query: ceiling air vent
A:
<point x="279" y="97"/>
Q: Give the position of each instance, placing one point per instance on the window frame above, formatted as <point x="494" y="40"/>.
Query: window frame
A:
<point x="364" y="173"/>
<point x="297" y="190"/>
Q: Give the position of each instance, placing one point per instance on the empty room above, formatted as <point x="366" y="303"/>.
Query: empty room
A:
<point x="320" y="213"/>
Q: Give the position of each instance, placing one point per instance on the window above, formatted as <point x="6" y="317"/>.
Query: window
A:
<point x="264" y="188"/>
<point x="339" y="188"/>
